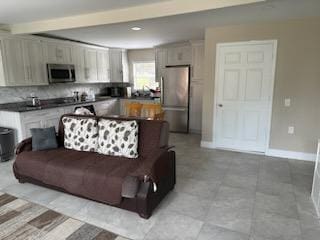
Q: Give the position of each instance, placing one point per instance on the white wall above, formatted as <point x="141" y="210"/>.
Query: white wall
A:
<point x="297" y="77"/>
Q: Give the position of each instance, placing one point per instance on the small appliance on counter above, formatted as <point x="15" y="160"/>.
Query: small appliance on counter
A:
<point x="116" y="91"/>
<point x="6" y="144"/>
<point x="34" y="101"/>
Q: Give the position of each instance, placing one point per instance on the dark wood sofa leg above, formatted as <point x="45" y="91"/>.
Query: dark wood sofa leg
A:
<point x="21" y="180"/>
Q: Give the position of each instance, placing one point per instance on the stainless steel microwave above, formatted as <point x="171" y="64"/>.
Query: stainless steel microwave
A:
<point x="61" y="73"/>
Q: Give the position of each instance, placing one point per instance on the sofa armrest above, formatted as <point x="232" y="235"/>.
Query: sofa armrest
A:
<point x="154" y="166"/>
<point x="25" y="145"/>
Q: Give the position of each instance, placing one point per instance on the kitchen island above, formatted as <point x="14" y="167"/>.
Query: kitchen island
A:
<point x="21" y="117"/>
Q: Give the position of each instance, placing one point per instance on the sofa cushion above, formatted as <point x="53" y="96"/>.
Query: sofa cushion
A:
<point x="80" y="134"/>
<point x="118" y="138"/>
<point x="44" y="138"/>
<point x="87" y="174"/>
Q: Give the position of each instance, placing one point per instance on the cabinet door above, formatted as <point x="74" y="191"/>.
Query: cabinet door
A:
<point x="197" y="70"/>
<point x="34" y="62"/>
<point x="161" y="62"/>
<point x="116" y="65"/>
<point x="14" y="62"/>
<point x="91" y="66"/>
<point x="68" y="110"/>
<point x="103" y="66"/>
<point x="32" y="123"/>
<point x="79" y="62"/>
<point x="109" y="107"/>
<point x="125" y="66"/>
<point x="59" y="53"/>
<point x="53" y="119"/>
<point x="196" y="92"/>
<point x="179" y="55"/>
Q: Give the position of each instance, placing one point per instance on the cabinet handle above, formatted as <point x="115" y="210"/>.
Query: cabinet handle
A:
<point x="59" y="53"/>
<point x="109" y="74"/>
<point x="86" y="73"/>
<point x="30" y="72"/>
<point x="27" y="73"/>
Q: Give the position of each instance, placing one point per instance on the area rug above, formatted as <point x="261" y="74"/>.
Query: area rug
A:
<point x="23" y="220"/>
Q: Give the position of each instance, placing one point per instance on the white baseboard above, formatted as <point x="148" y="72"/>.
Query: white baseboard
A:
<point x="194" y="131"/>
<point x="274" y="152"/>
<point x="291" y="154"/>
<point x="207" y="144"/>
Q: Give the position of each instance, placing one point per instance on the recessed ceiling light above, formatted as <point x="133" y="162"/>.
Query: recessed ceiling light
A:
<point x="136" y="28"/>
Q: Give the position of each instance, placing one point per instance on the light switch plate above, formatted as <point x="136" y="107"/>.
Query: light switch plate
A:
<point x="291" y="130"/>
<point x="287" y="102"/>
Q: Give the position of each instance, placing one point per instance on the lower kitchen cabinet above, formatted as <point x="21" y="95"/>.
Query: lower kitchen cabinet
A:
<point x="110" y="107"/>
<point x="22" y="122"/>
<point x="40" y="119"/>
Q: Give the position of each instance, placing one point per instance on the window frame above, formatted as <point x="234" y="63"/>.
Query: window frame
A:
<point x="133" y="72"/>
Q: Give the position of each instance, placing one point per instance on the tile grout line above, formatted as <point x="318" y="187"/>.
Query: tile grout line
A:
<point x="295" y="198"/>
<point x="255" y="200"/>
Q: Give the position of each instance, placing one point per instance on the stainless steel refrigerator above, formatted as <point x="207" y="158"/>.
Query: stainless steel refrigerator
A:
<point x="175" y="97"/>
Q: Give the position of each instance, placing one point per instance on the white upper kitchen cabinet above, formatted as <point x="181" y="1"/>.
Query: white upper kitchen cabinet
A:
<point x="34" y="62"/>
<point x="79" y="63"/>
<point x="103" y="66"/>
<point x="116" y="73"/>
<point x="12" y="60"/>
<point x="179" y="55"/>
<point x="56" y="52"/>
<point x="21" y="62"/>
<point x="125" y="66"/>
<point x="91" y="65"/>
<point x="161" y="62"/>
<point x="197" y="68"/>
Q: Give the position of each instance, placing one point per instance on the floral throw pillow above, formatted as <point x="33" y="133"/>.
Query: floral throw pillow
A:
<point x="80" y="134"/>
<point x="118" y="138"/>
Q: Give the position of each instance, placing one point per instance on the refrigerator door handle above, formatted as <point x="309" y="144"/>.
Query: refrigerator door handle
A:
<point x="162" y="90"/>
<point x="179" y="109"/>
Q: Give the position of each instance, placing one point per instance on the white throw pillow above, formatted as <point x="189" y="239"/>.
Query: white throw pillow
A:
<point x="118" y="138"/>
<point x="80" y="134"/>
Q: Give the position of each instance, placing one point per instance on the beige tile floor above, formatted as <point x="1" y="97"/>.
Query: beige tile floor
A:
<point x="219" y="195"/>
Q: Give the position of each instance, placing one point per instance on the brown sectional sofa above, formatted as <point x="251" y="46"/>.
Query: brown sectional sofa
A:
<point x="134" y="184"/>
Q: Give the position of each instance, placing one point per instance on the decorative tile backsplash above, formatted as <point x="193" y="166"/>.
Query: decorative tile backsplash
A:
<point x="18" y="94"/>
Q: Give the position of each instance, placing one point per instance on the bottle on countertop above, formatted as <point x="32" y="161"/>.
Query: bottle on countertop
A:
<point x="76" y="96"/>
<point x="92" y="95"/>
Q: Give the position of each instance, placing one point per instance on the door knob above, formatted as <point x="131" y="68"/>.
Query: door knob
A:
<point x="220" y="105"/>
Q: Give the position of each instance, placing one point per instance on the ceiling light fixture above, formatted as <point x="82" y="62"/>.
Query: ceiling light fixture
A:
<point x="136" y="28"/>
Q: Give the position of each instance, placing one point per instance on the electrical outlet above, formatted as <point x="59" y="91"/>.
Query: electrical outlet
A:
<point x="290" y="130"/>
<point x="287" y="102"/>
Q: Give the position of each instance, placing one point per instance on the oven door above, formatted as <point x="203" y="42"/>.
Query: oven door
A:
<point x="61" y="73"/>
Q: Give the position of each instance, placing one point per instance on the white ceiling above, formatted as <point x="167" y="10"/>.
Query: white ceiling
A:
<point x="159" y="30"/>
<point x="19" y="11"/>
<point x="189" y="26"/>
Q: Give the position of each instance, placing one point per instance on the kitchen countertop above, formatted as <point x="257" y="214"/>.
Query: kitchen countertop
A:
<point x="58" y="102"/>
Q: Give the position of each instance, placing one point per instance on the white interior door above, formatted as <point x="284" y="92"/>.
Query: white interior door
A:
<point x="244" y="89"/>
